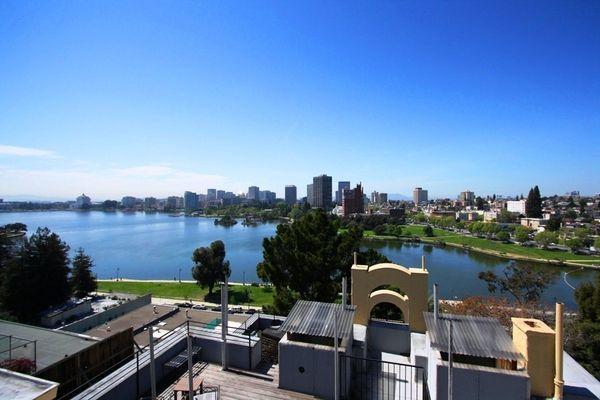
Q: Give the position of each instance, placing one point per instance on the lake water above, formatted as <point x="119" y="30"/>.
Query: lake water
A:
<point x="156" y="246"/>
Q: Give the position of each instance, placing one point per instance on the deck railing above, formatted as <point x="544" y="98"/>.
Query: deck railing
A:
<point x="370" y="379"/>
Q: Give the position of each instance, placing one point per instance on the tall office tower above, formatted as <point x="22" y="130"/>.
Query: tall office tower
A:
<point x="190" y="201"/>
<point x="291" y="196"/>
<point x="309" y="194"/>
<point x="338" y="194"/>
<point x="383" y="198"/>
<point x="128" y="202"/>
<point x="220" y="194"/>
<point x="83" y="201"/>
<point x="253" y="193"/>
<point x="211" y="194"/>
<point x="322" y="192"/>
<point x="374" y="197"/>
<point x="419" y="196"/>
<point x="352" y="201"/>
<point x="171" y="203"/>
<point x="150" y="203"/>
<point x="467" y="197"/>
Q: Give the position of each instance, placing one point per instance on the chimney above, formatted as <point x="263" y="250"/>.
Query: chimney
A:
<point x="355" y="258"/>
<point x="154" y="310"/>
<point x="423" y="263"/>
<point x="187" y="314"/>
<point x="558" y="353"/>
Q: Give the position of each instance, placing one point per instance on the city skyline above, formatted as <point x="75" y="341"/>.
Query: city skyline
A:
<point x="215" y="95"/>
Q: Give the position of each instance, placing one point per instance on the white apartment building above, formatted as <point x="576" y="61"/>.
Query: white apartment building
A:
<point x="516" y="206"/>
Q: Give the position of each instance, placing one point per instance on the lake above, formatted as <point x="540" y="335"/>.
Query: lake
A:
<point x="156" y="246"/>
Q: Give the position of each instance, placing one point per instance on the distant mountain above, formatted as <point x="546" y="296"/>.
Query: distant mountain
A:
<point x="398" y="196"/>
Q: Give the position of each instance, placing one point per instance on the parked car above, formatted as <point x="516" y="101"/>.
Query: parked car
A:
<point x="184" y="305"/>
<point x="199" y="307"/>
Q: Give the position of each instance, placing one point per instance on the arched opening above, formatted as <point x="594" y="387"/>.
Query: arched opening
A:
<point x="389" y="287"/>
<point x="388" y="312"/>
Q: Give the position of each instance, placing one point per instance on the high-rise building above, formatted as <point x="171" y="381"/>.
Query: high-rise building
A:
<point x="338" y="194"/>
<point x="220" y="194"/>
<point x="128" y="202"/>
<point x="266" y="196"/>
<point x="150" y="203"/>
<point x="322" y="192"/>
<point x="253" y="193"/>
<point x="211" y="194"/>
<point x="383" y="198"/>
<point x="352" y="201"/>
<point x="419" y="196"/>
<point x="309" y="194"/>
<point x="83" y="201"/>
<point x="172" y="203"/>
<point x="467" y="197"/>
<point x="374" y="197"/>
<point x="291" y="196"/>
<point x="190" y="201"/>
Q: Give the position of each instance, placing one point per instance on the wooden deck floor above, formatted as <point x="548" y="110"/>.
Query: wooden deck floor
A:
<point x="240" y="385"/>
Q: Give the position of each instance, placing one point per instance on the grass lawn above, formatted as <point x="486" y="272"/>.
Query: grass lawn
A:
<point x="258" y="295"/>
<point x="485" y="244"/>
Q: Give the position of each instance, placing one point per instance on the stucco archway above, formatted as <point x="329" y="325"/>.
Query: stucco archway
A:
<point x="412" y="282"/>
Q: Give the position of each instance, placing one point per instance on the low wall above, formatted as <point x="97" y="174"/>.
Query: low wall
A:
<point x="98" y="319"/>
<point x="307" y="368"/>
<point x="56" y="318"/>
<point x="389" y="337"/>
<point x="239" y="355"/>
<point x="473" y="382"/>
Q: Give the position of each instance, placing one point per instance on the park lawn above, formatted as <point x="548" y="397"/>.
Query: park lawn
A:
<point x="510" y="248"/>
<point x="259" y="296"/>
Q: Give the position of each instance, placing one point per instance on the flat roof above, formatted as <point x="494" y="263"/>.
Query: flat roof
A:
<point x="14" y="385"/>
<point x="471" y="336"/>
<point x="51" y="346"/>
<point x="137" y="319"/>
<point x="314" y="318"/>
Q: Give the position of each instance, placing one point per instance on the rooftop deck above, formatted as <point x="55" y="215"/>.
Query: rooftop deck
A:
<point x="239" y="385"/>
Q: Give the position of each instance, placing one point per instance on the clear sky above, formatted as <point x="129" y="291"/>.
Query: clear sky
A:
<point x="157" y="97"/>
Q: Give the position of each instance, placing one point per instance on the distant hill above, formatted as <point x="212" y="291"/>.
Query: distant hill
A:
<point x="32" y="198"/>
<point x="398" y="196"/>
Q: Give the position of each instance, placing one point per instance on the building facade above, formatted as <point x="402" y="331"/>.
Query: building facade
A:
<point x="253" y="193"/>
<point x="322" y="192"/>
<point x="309" y="194"/>
<point x="352" y="201"/>
<point x="467" y="197"/>
<point x="419" y="196"/>
<point x="516" y="206"/>
<point x="84" y="201"/>
<point x="190" y="201"/>
<point x="291" y="195"/>
<point x="342" y="185"/>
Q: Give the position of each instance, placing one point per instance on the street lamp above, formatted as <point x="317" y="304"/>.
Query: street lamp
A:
<point x="179" y="274"/>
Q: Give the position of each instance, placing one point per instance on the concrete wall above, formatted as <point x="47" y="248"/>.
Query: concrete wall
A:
<point x="308" y="368"/>
<point x="237" y="353"/>
<point x="389" y="337"/>
<point x="472" y="382"/>
<point x="51" y="320"/>
<point x="98" y="319"/>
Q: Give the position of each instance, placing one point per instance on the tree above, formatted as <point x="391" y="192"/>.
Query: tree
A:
<point x="546" y="238"/>
<point x="37" y="277"/>
<point x="597" y="244"/>
<point x="522" y="234"/>
<point x="211" y="266"/>
<point x="506" y="217"/>
<point x="503" y="236"/>
<point x="574" y="244"/>
<point x="428" y="230"/>
<point x="524" y="283"/>
<point x="583" y="335"/>
<point x="306" y="259"/>
<point x="82" y="281"/>
<point x="554" y="224"/>
<point x="480" y="203"/>
<point x="533" y="204"/>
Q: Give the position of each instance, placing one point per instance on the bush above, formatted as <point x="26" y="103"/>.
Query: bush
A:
<point x="428" y="231"/>
<point x="22" y="365"/>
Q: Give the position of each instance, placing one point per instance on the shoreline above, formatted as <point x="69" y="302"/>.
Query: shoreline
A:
<point x="503" y="255"/>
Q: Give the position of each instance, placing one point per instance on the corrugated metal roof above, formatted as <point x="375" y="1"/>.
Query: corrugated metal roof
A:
<point x="316" y="319"/>
<point x="472" y="336"/>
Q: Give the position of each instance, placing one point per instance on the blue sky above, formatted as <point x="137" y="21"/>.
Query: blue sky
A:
<point x="154" y="98"/>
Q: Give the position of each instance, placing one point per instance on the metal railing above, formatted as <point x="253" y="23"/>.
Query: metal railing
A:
<point x="16" y="348"/>
<point x="365" y="378"/>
